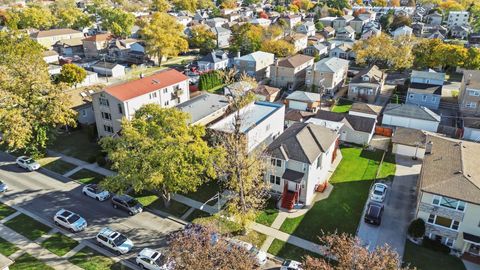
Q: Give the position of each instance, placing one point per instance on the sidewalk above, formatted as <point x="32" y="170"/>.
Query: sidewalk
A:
<point x="81" y="164"/>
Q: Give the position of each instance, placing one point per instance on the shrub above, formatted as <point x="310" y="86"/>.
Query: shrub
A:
<point x="417" y="228"/>
<point x="101" y="160"/>
<point x="435" y="245"/>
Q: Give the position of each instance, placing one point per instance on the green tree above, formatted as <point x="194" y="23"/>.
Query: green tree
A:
<point x="161" y="5"/>
<point x="73" y="18"/>
<point x="192" y="5"/>
<point x="117" y="21"/>
<point x="202" y="38"/>
<point x="319" y="26"/>
<point x="31" y="107"/>
<point x="159" y="151"/>
<point x="280" y="48"/>
<point x="72" y="74"/>
<point x="399" y="21"/>
<point x="31" y="17"/>
<point x="164" y="36"/>
<point x="472" y="60"/>
<point x="246" y="38"/>
<point x="338" y="4"/>
<point x="417" y="228"/>
<point x="387" y="20"/>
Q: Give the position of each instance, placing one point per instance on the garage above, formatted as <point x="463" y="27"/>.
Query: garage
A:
<point x="297" y="105"/>
<point x="409" y="142"/>
<point x="408" y="151"/>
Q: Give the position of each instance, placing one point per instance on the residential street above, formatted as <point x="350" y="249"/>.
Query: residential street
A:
<point x="399" y="206"/>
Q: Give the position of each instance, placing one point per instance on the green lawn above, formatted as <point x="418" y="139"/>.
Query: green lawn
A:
<point x="59" y="244"/>
<point x="268" y="215"/>
<point x="150" y="200"/>
<point x="28" y="262"/>
<point x="288" y="251"/>
<point x="342" y="106"/>
<point x="76" y="144"/>
<point x="57" y="165"/>
<point x="6" y="211"/>
<point x="253" y="237"/>
<point x="426" y="259"/>
<point x="205" y="192"/>
<point x="7" y="248"/>
<point x="89" y="259"/>
<point x="86" y="176"/>
<point x="27" y="226"/>
<point x="342" y="210"/>
<point x="197" y="214"/>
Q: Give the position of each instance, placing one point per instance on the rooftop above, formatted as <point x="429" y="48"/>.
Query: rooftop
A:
<point x="331" y="64"/>
<point x="295" y="60"/>
<point x="203" y="105"/>
<point x="430" y="74"/>
<point x="411" y="111"/>
<point x="355" y="122"/>
<point x="366" y="108"/>
<point x="256" y="56"/>
<point x="304" y="96"/>
<point x="409" y="136"/>
<point x="54" y="32"/>
<point x="472" y="78"/>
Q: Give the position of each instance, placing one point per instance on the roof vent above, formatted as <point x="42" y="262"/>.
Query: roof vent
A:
<point x="458" y="172"/>
<point x="155" y="81"/>
<point x="83" y="94"/>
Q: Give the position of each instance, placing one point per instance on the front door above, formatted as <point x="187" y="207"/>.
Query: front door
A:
<point x="474" y="249"/>
<point x="292" y="186"/>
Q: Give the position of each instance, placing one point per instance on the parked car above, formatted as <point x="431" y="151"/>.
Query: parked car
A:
<point x="373" y="215"/>
<point x="379" y="192"/>
<point x="114" y="240"/>
<point x="94" y="191"/>
<point x="3" y="186"/>
<point x="27" y="163"/>
<point x="69" y="220"/>
<point x="153" y="260"/>
<point x="291" y="265"/>
<point x="260" y="256"/>
<point x="127" y="203"/>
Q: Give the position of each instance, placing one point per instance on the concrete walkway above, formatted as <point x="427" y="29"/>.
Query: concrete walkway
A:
<point x="81" y="165"/>
<point x="470" y="265"/>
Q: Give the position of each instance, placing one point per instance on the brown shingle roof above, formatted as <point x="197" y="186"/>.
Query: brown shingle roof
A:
<point x="298" y="116"/>
<point x="265" y="90"/>
<point x="366" y="108"/>
<point x="99" y="37"/>
<point x="295" y="60"/>
<point x="54" y="32"/>
<point x="410" y="137"/>
<point x="375" y="74"/>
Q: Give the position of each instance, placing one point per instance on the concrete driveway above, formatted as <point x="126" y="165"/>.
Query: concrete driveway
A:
<point x="399" y="209"/>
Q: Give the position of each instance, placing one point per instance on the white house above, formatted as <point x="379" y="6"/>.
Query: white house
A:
<point x="459" y="18"/>
<point x="402" y="31"/>
<point x="205" y="108"/>
<point x="216" y="60"/>
<point x="307" y="28"/>
<point x="301" y="159"/>
<point x="410" y="116"/>
<point x="113" y="70"/>
<point x="261" y="123"/>
<point x="50" y="56"/>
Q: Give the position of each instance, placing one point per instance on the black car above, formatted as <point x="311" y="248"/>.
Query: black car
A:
<point x="373" y="215"/>
<point x="127" y="203"/>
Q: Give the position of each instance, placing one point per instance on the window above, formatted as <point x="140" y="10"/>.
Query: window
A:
<point x="449" y="242"/>
<point x="436" y="200"/>
<point x="455" y="225"/>
<point x="275" y="179"/>
<point x="120" y="110"/>
<point x="449" y="203"/>
<point x="411" y="96"/>
<point x="424" y="98"/>
<point x="152" y="95"/>
<point x="108" y="128"/>
<point x="103" y="102"/>
<point x="165" y="90"/>
<point x="276" y="162"/>
<point x="84" y="112"/>
<point x="431" y="218"/>
<point x="444" y="222"/>
<point x="267" y="128"/>
<point x="167" y="103"/>
<point x="471" y="105"/>
<point x="106" y="116"/>
<point x="319" y="162"/>
<point x="473" y="93"/>
<point x="434" y="99"/>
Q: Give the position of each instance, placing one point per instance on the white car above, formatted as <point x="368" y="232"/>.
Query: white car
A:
<point x="94" y="191"/>
<point x="70" y="220"/>
<point x="27" y="163"/>
<point x="291" y="265"/>
<point x="153" y="260"/>
<point x="259" y="255"/>
<point x="379" y="191"/>
<point x="114" y="240"/>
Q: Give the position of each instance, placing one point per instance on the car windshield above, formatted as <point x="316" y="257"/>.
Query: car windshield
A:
<point x="160" y="260"/>
<point x="119" y="240"/>
<point x="73" y="219"/>
<point x="377" y="192"/>
<point x="373" y="211"/>
<point x="29" y="161"/>
<point x="132" y="202"/>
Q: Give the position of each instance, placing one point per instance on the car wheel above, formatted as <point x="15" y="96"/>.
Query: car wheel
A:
<point x="130" y="213"/>
<point x="72" y="230"/>
<point x="56" y="223"/>
<point x="141" y="266"/>
<point x="115" y="206"/>
<point x="84" y="193"/>
<point x="98" y="199"/>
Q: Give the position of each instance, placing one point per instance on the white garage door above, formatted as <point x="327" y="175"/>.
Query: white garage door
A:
<point x="297" y="105"/>
<point x="409" y="151"/>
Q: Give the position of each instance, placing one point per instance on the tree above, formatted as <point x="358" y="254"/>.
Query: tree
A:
<point x="31" y="17"/>
<point x="424" y="52"/>
<point x="246" y="38"/>
<point x="399" y="21"/>
<point x="228" y="4"/>
<point x="73" y="18"/>
<point x="192" y="5"/>
<point x="160" y="5"/>
<point x="31" y="107"/>
<point x="416" y="229"/>
<point x="164" y="36"/>
<point x="117" y="21"/>
<point x="319" y="26"/>
<point x="72" y="74"/>
<point x="280" y="48"/>
<point x="450" y="5"/>
<point x="379" y="3"/>
<point x="338" y="4"/>
<point x="159" y="151"/>
<point x="387" y="20"/>
<point x="395" y="3"/>
<point x="349" y="253"/>
<point x="202" y="38"/>
<point x="472" y="60"/>
<point x="304" y="5"/>
<point x="202" y="248"/>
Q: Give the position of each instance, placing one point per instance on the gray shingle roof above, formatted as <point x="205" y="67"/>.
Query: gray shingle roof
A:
<point x="409" y="136"/>
<point x="355" y="122"/>
<point x="331" y="64"/>
<point x="304" y="96"/>
<point x="411" y="111"/>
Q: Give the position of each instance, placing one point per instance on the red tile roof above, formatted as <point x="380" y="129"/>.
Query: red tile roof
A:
<point x="132" y="89"/>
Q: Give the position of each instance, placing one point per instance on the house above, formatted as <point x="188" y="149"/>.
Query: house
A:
<point x="81" y="101"/>
<point x="343" y="51"/>
<point x="200" y="15"/>
<point x="95" y="45"/>
<point x="216" y="60"/>
<point x="410" y="116"/>
<point x="459" y="18"/>
<point x="357" y="24"/>
<point x="299" y="41"/>
<point x="307" y="28"/>
<point x="222" y="36"/>
<point x="372" y="32"/>
<point x="469" y="96"/>
<point x="409" y="142"/>
<point x="50" y="57"/>
<point x="425" y="88"/>
<point x="255" y="64"/>
<point x="296" y="116"/>
<point x="131" y="51"/>
<point x="90" y="79"/>
<point x="341" y="22"/>
<point x="327" y="74"/>
<point x="448" y="198"/>
<point x="166" y="88"/>
<point x="205" y="108"/>
<point x="316" y="49"/>
<point x="459" y="31"/>
<point x="366" y="85"/>
<point x="303" y="101"/>
<point x="301" y="158"/>
<point x="216" y="22"/>
<point x="261" y="22"/>
<point x="239" y="88"/>
<point x="293" y="20"/>
<point x="261" y="122"/>
<point x="351" y="128"/>
<point x="290" y="72"/>
<point x="328" y="32"/>
<point x="266" y="93"/>
<point x="184" y="20"/>
<point x="471" y="129"/>
<point x="474" y="40"/>
<point x="402" y="31"/>
<point x="49" y="37"/>
<point x="434" y="18"/>
<point x="110" y="69"/>
<point x="365" y="110"/>
<point x="346" y="33"/>
<point x="327" y="21"/>
<point x="69" y="47"/>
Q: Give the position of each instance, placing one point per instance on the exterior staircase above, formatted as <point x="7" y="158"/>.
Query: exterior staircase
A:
<point x="288" y="198"/>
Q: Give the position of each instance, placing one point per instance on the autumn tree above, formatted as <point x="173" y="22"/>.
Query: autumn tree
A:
<point x="203" y="248"/>
<point x="246" y="38"/>
<point x="160" y="5"/>
<point x="399" y="21"/>
<point x="395" y="3"/>
<point x="69" y="16"/>
<point x="72" y="74"/>
<point x="37" y="17"/>
<point x="472" y="60"/>
<point x="117" y="21"/>
<point x="203" y="38"/>
<point x="347" y="252"/>
<point x="192" y="5"/>
<point x="31" y="107"/>
<point x="338" y="4"/>
<point x="228" y="4"/>
<point x="159" y="151"/>
<point x="450" y="5"/>
<point x="164" y="37"/>
<point x="280" y="48"/>
<point x="379" y="3"/>
<point x="435" y="53"/>
<point x="304" y="5"/>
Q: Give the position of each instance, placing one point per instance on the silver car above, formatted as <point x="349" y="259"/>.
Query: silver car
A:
<point x="70" y="220"/>
<point x="379" y="191"/>
<point x="27" y="163"/>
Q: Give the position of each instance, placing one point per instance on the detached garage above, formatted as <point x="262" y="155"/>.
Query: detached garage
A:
<point x="409" y="142"/>
<point x="410" y="116"/>
<point x="303" y="101"/>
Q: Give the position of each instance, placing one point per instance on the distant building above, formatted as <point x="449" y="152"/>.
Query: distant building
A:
<point x="290" y="72"/>
<point x="459" y="18"/>
<point x="205" y="108"/>
<point x="328" y="74"/>
<point x="48" y="38"/>
<point x="255" y="64"/>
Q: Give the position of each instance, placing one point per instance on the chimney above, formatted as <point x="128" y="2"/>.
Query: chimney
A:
<point x="428" y="148"/>
<point x="238" y="54"/>
<point x="142" y="75"/>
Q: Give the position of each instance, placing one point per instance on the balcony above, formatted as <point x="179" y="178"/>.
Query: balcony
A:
<point x="441" y="211"/>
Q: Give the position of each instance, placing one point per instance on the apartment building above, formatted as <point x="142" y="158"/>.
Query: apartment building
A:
<point x="327" y="74"/>
<point x="458" y="18"/>
<point x="167" y="88"/>
<point x="469" y="97"/>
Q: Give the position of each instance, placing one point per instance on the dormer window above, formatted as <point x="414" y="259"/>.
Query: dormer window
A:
<point x="366" y="78"/>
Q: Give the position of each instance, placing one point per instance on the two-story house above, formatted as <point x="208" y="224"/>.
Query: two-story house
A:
<point x="299" y="41"/>
<point x="458" y="18"/>
<point x="216" y="60"/>
<point x="95" y="45"/>
<point x="425" y="88"/>
<point x="290" y="72"/>
<point x="255" y="64"/>
<point x="48" y="38"/>
<point x="449" y="194"/>
<point x="341" y="22"/>
<point x="301" y="158"/>
<point x="327" y="74"/>
<point x="166" y="88"/>
<point x="222" y="36"/>
<point x="469" y="97"/>
<point x="307" y="28"/>
<point x="293" y="20"/>
<point x="366" y="85"/>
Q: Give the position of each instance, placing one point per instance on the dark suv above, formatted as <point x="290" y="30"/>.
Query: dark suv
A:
<point x="373" y="215"/>
<point x="127" y="203"/>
